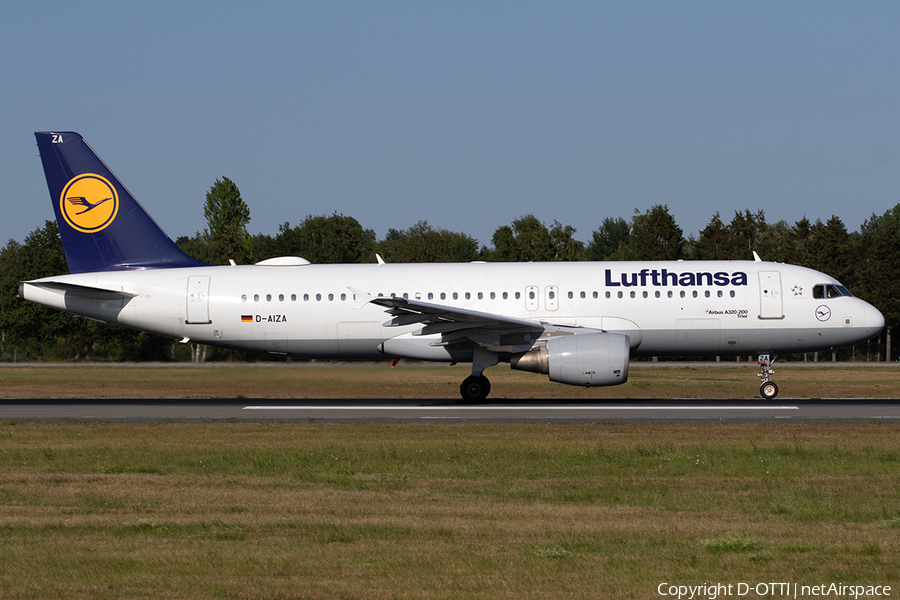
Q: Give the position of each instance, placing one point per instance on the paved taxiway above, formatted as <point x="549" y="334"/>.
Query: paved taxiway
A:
<point x="390" y="410"/>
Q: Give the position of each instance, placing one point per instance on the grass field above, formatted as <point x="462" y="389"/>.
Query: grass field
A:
<point x="246" y="510"/>
<point x="321" y="511"/>
<point x="415" y="381"/>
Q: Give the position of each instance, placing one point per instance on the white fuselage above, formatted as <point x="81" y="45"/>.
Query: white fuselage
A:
<point x="323" y="311"/>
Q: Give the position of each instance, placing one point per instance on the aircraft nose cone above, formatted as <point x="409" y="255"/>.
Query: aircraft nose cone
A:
<point x="873" y="319"/>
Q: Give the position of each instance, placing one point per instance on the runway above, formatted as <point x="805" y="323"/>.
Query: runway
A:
<point x="441" y="410"/>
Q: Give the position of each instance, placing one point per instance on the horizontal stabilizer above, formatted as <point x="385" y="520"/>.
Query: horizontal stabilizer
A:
<point x="83" y="291"/>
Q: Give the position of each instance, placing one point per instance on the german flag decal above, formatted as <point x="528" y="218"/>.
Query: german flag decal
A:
<point x="246" y="318"/>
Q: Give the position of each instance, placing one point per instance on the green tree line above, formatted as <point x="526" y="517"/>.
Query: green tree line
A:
<point x="866" y="261"/>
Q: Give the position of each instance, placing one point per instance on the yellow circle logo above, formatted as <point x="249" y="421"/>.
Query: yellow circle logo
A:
<point x="89" y="203"/>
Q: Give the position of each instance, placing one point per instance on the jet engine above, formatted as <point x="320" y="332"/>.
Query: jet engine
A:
<point x="589" y="359"/>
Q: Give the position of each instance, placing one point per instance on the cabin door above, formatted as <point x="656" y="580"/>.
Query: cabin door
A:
<point x="770" y="306"/>
<point x="198" y="300"/>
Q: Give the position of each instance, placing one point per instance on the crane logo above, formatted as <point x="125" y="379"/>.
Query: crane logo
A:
<point x="89" y="203"/>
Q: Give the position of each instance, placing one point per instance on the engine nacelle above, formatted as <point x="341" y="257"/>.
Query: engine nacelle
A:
<point x="589" y="359"/>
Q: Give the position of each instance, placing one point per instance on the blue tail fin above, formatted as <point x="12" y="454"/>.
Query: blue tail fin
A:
<point x="102" y="226"/>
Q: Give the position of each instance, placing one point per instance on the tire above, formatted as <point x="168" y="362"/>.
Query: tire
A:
<point x="475" y="389"/>
<point x="768" y="390"/>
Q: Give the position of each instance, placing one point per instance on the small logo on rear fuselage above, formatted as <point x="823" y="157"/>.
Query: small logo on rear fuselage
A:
<point x="89" y="203"/>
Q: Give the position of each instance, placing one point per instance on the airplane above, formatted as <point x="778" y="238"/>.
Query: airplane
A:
<point x="577" y="322"/>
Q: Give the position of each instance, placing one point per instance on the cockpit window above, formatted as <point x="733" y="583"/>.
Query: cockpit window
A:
<point x="828" y="290"/>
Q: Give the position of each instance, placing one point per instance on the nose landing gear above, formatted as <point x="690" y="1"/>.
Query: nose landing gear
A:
<point x="767" y="389"/>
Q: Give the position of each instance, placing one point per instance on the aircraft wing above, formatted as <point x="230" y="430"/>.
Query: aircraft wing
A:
<point x="457" y="325"/>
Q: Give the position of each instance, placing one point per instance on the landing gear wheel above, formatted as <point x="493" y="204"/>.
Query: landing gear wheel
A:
<point x="475" y="389"/>
<point x="768" y="390"/>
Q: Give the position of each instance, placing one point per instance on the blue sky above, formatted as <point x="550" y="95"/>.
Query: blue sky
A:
<point x="464" y="114"/>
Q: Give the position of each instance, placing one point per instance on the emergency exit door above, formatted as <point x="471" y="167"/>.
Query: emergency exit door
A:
<point x="531" y="297"/>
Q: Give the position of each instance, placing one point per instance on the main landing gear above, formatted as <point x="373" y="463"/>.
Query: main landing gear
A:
<point x="476" y="387"/>
<point x="767" y="389"/>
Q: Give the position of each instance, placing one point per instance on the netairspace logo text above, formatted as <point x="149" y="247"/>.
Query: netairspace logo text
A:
<point x="711" y="591"/>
